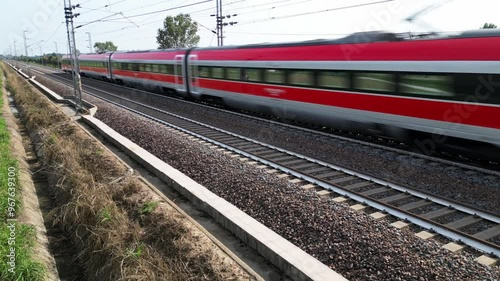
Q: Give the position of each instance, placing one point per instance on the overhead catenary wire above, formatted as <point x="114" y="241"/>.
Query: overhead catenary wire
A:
<point x="143" y="14"/>
<point x="100" y="8"/>
<point x="316" y="12"/>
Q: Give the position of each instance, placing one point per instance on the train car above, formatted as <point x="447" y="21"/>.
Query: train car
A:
<point x="66" y="63"/>
<point x="154" y="70"/>
<point x="95" y="65"/>
<point x="375" y="83"/>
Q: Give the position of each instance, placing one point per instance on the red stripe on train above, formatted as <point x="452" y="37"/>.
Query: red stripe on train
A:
<point x="447" y="111"/>
<point x="94" y="69"/>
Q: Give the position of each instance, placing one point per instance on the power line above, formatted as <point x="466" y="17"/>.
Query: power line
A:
<point x="317" y="12"/>
<point x="170" y="9"/>
<point x="100" y="8"/>
<point x="50" y="37"/>
<point x="143" y="14"/>
<point x="260" y="5"/>
<point x="273" y="8"/>
<point x="211" y="8"/>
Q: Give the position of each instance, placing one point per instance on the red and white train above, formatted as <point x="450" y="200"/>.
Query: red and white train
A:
<point x="429" y="90"/>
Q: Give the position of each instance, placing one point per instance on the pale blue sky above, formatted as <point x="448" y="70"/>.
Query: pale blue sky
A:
<point x="130" y="31"/>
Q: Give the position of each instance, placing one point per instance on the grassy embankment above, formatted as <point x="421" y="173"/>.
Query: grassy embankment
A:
<point x="17" y="240"/>
<point x="119" y="231"/>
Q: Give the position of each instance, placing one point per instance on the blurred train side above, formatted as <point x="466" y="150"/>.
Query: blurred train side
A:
<point x="372" y="83"/>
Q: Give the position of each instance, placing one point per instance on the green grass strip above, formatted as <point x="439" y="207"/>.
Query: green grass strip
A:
<point x="17" y="240"/>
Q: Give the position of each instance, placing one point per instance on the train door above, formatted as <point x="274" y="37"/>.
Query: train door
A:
<point x="179" y="71"/>
<point x="193" y="74"/>
<point x="109" y="67"/>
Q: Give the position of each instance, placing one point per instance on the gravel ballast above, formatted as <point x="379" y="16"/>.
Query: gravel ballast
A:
<point x="351" y="243"/>
<point x="450" y="182"/>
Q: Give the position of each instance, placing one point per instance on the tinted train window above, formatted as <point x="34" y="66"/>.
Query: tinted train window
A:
<point x="178" y="69"/>
<point x="147" y="68"/>
<point x="233" y="73"/>
<point x="428" y="85"/>
<point x="204" y="71"/>
<point x="253" y="75"/>
<point x="217" y="72"/>
<point x="162" y="68"/>
<point x="372" y="81"/>
<point x="141" y="67"/>
<point x="301" y="77"/>
<point x="483" y="87"/>
<point x="155" y="68"/>
<point x="170" y="69"/>
<point x="274" y="76"/>
<point x="333" y="79"/>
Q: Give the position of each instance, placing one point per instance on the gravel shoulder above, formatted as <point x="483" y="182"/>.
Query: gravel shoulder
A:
<point x="449" y="182"/>
<point x="351" y="243"/>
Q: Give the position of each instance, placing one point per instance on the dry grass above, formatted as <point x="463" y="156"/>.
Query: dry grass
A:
<point x="108" y="213"/>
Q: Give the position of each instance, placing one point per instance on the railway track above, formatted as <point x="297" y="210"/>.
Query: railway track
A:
<point x="487" y="168"/>
<point x="473" y="227"/>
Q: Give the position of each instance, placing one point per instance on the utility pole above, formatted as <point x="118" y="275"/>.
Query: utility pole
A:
<point x="41" y="54"/>
<point x="77" y="84"/>
<point x="15" y="53"/>
<point x="25" y="46"/>
<point x="220" y="25"/>
<point x="220" y="33"/>
<point x="90" y="42"/>
<point x="55" y="43"/>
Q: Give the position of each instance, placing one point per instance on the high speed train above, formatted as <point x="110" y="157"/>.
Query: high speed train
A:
<point x="432" y="91"/>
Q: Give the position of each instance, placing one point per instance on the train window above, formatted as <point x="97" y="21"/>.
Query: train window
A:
<point x="163" y="68"/>
<point x="170" y="68"/>
<point x="147" y="67"/>
<point x="333" y="79"/>
<point x="217" y="72"/>
<point x="274" y="76"/>
<point x="254" y="75"/>
<point x="155" y="68"/>
<point x="141" y="67"/>
<point x="427" y="85"/>
<point x="204" y="71"/>
<point x="373" y="81"/>
<point x="233" y="73"/>
<point x="301" y="77"/>
<point x="178" y="69"/>
<point x="135" y="66"/>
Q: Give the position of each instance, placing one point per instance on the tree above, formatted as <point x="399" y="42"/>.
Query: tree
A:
<point x="178" y="32"/>
<point x="488" y="25"/>
<point x="101" y="47"/>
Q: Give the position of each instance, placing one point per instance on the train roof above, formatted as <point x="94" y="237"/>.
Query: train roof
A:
<point x="149" y="51"/>
<point x="371" y="37"/>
